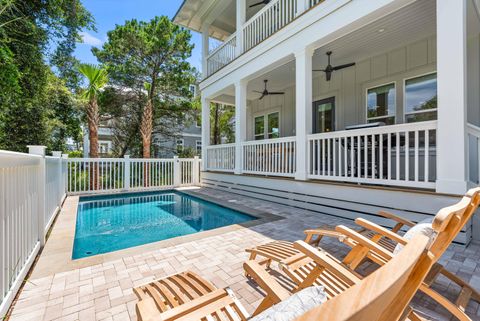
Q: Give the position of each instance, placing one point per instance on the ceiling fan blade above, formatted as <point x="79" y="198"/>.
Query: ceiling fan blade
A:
<point x="256" y="4"/>
<point x="261" y="97"/>
<point x="344" y="66"/>
<point x="276" y="93"/>
<point x="319" y="70"/>
<point x="258" y="92"/>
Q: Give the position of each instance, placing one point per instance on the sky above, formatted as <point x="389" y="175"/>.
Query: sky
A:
<point x="109" y="13"/>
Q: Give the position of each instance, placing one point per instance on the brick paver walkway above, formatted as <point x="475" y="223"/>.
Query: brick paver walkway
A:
<point x="104" y="291"/>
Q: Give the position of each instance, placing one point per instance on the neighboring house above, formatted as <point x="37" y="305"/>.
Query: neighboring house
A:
<point x="190" y="137"/>
<point x="391" y="120"/>
<point x="105" y="140"/>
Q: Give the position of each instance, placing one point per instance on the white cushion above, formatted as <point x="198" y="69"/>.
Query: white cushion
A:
<point x="423" y="227"/>
<point x="294" y="306"/>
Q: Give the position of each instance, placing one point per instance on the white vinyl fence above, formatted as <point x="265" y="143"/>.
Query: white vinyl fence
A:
<point x="94" y="175"/>
<point x="32" y="189"/>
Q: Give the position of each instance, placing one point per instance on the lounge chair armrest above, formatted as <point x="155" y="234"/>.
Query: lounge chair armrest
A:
<point x="396" y="218"/>
<point x="381" y="230"/>
<point x="310" y="233"/>
<point x="324" y="261"/>
<point x="366" y="242"/>
<point x="266" y="281"/>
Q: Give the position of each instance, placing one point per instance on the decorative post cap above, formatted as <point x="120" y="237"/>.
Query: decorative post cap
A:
<point x="37" y="149"/>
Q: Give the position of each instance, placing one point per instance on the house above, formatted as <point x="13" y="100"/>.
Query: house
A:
<point x="343" y="106"/>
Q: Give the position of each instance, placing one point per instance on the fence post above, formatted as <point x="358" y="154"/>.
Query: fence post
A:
<point x="126" y="172"/>
<point x="176" y="172"/>
<point x="196" y="171"/>
<point x="40" y="150"/>
<point x="65" y="172"/>
<point x="58" y="154"/>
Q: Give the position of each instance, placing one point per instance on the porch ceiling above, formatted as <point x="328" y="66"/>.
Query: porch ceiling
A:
<point x="221" y="14"/>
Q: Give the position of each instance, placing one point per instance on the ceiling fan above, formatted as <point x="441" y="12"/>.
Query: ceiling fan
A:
<point x="259" y="3"/>
<point x="265" y="92"/>
<point x="330" y="69"/>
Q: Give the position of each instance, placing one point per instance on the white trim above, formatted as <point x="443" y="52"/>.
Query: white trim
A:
<point x="190" y="135"/>
<point x="405" y="114"/>
<point x="395" y="106"/>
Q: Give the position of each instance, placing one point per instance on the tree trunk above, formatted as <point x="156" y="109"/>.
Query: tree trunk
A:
<point x="146" y="130"/>
<point x="93" y="120"/>
<point x="216" y="129"/>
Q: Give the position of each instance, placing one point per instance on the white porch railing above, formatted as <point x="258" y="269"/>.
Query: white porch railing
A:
<point x="93" y="175"/>
<point x="267" y="21"/>
<point x="473" y="148"/>
<point x="222" y="55"/>
<point x="221" y="157"/>
<point x="398" y="155"/>
<point x="32" y="188"/>
<point x="275" y="157"/>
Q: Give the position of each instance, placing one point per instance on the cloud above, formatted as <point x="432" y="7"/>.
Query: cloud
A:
<point x="88" y="39"/>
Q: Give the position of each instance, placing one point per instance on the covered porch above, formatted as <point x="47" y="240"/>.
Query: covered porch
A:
<point x="406" y="114"/>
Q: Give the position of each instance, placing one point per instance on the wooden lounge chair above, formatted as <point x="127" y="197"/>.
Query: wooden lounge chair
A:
<point x="382" y="296"/>
<point x="305" y="271"/>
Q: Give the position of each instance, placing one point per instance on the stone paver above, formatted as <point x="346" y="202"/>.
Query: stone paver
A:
<point x="104" y="291"/>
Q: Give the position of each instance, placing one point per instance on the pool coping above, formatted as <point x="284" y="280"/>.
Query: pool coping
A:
<point x="56" y="256"/>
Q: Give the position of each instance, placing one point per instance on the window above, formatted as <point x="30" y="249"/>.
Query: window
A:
<point x="421" y="98"/>
<point x="267" y="126"/>
<point x="381" y="104"/>
<point x="259" y="127"/>
<point x="273" y="125"/>
<point x="179" y="144"/>
<point x="198" y="146"/>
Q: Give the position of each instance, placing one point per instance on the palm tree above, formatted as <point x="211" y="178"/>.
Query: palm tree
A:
<point x="146" y="126"/>
<point x="97" y="79"/>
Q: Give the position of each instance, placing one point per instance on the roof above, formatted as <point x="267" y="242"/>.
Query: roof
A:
<point x="192" y="14"/>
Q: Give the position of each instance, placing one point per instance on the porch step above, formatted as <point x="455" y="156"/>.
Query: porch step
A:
<point x="340" y="200"/>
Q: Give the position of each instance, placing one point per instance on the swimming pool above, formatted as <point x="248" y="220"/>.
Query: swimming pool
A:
<point x="111" y="223"/>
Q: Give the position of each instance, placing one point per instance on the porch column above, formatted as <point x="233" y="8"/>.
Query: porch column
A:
<point x="205" y="130"/>
<point x="240" y="122"/>
<point x="241" y="17"/>
<point x="205" y="49"/>
<point x="303" y="108"/>
<point x="452" y="96"/>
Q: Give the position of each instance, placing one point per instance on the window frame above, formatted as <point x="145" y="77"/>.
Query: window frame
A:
<point x="265" y="123"/>
<point x="405" y="113"/>
<point x="379" y="118"/>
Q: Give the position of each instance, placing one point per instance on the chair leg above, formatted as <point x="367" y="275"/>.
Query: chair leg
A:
<point x="447" y="304"/>
<point x="464" y="285"/>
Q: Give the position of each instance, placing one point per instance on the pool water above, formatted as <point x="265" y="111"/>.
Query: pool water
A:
<point x="111" y="223"/>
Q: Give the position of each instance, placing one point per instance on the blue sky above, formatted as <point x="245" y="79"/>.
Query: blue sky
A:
<point x="108" y="13"/>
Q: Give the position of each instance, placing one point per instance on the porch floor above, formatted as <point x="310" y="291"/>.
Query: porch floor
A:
<point x="103" y="291"/>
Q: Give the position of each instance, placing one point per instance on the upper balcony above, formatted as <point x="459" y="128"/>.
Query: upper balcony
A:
<point x="232" y="27"/>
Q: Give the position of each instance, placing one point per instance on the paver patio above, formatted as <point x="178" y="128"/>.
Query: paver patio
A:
<point x="104" y="291"/>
